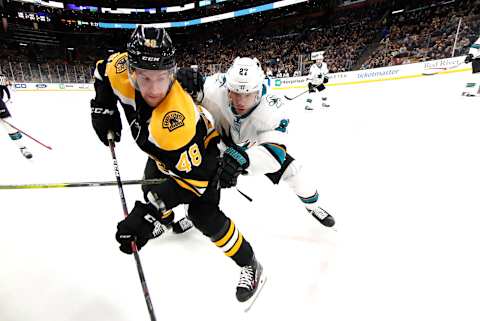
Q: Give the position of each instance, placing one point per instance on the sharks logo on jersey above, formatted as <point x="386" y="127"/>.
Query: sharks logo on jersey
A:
<point x="274" y="101"/>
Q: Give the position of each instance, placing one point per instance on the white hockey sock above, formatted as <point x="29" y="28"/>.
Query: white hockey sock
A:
<point x="298" y="180"/>
<point x="14" y="134"/>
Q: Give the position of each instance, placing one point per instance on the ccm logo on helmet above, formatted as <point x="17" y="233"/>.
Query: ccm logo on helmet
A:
<point x="151" y="58"/>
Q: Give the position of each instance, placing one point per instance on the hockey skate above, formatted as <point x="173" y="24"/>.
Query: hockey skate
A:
<point x="26" y="153"/>
<point x="251" y="283"/>
<point x="308" y="107"/>
<point x="322" y="216"/>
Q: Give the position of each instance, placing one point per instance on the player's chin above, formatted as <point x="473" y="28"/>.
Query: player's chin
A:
<point x="241" y="110"/>
<point x="153" y="101"/>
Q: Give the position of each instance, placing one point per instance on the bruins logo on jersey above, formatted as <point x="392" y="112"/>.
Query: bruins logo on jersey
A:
<point x="121" y="65"/>
<point x="173" y="120"/>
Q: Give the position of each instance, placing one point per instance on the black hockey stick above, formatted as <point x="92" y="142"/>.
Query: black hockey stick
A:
<point x="244" y="195"/>
<point x="141" y="275"/>
<point x="292" y="98"/>
<point x="84" y="184"/>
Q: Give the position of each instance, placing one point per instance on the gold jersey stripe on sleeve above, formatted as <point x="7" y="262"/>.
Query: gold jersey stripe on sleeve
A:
<point x="182" y="184"/>
<point x="209" y="137"/>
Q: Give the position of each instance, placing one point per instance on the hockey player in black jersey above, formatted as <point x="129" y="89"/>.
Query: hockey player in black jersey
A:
<point x="181" y="144"/>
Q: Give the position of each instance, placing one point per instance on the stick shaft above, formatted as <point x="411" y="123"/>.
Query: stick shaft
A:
<point x="24" y="133"/>
<point x="83" y="184"/>
<point x="141" y="275"/>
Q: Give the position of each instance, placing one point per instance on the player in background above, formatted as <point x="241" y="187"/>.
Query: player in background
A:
<point x="181" y="144"/>
<point x="253" y="129"/>
<point x="473" y="88"/>
<point x="14" y="134"/>
<point x="317" y="77"/>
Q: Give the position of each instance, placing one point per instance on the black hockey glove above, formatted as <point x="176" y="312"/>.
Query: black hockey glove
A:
<point x="311" y="87"/>
<point x="325" y="79"/>
<point x="233" y="163"/>
<point x="468" y="58"/>
<point x="105" y="119"/>
<point x="192" y="81"/>
<point x="140" y="225"/>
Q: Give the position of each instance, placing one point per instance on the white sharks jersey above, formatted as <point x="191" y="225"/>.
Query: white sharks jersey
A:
<point x="262" y="131"/>
<point x="316" y="73"/>
<point x="475" y="49"/>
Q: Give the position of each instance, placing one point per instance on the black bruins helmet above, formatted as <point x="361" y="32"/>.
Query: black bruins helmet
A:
<point x="150" y="48"/>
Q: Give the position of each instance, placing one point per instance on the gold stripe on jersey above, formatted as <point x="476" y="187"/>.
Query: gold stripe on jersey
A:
<point x="117" y="72"/>
<point x="174" y="121"/>
<point x="181" y="183"/>
<point x="209" y="137"/>
<point x="195" y="186"/>
<point x="207" y="121"/>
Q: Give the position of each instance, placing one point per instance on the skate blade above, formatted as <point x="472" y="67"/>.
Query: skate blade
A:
<point x="249" y="303"/>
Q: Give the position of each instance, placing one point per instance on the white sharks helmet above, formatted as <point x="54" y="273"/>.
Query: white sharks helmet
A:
<point x="245" y="76"/>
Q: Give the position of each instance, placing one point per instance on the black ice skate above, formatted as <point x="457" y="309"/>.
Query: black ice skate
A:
<point x="251" y="283"/>
<point x="322" y="216"/>
<point x="26" y="153"/>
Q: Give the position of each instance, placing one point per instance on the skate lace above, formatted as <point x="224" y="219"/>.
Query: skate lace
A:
<point x="247" y="276"/>
<point x="319" y="212"/>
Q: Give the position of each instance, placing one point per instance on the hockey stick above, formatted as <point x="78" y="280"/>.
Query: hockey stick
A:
<point x="84" y="184"/>
<point x="292" y="98"/>
<point x="141" y="275"/>
<point x="436" y="71"/>
<point x="244" y="195"/>
<point x="21" y="131"/>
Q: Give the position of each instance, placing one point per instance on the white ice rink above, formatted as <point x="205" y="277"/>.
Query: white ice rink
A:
<point x="397" y="163"/>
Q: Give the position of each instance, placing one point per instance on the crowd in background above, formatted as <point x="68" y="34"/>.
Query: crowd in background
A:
<point x="352" y="38"/>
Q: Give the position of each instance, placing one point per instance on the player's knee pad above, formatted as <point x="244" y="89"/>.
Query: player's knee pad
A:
<point x="291" y="170"/>
<point x="300" y="182"/>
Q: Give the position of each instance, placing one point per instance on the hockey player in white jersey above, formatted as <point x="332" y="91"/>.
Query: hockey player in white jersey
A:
<point x="5" y="119"/>
<point x="253" y="129"/>
<point x="317" y="77"/>
<point x="473" y="87"/>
